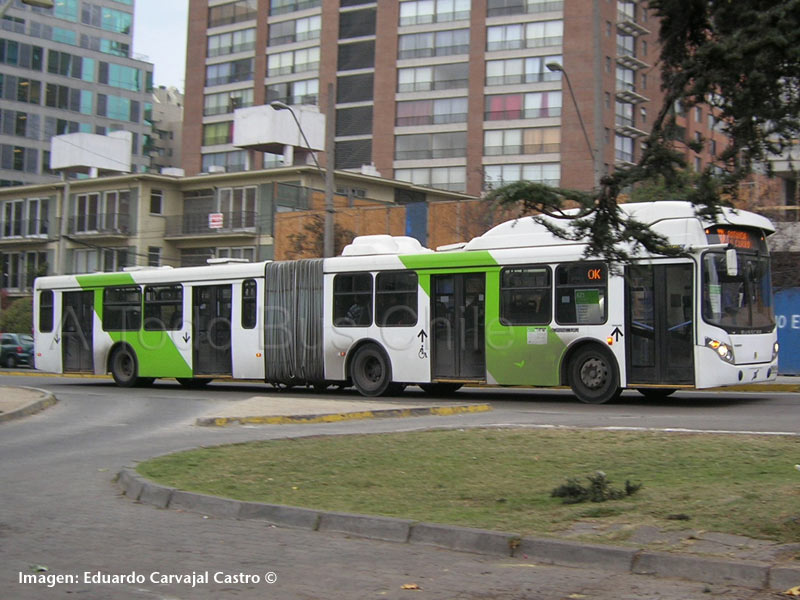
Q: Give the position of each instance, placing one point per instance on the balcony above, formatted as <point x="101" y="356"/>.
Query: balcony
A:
<point x="233" y="223"/>
<point x="29" y="231"/>
<point x="627" y="24"/>
<point x="100" y="225"/>
<point x="629" y="61"/>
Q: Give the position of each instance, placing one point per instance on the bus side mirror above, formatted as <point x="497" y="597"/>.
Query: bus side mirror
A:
<point x="731" y="262"/>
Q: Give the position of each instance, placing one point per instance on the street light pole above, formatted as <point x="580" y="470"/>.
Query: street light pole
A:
<point x="558" y="68"/>
<point x="327" y="174"/>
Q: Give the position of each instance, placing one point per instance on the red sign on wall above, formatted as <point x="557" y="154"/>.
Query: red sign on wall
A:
<point x="215" y="220"/>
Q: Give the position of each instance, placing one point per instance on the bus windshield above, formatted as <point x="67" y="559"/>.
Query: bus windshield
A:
<point x="738" y="303"/>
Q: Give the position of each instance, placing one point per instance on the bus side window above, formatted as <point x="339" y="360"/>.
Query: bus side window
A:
<point x="581" y="290"/>
<point x="396" y="299"/>
<point x="163" y="307"/>
<point x="46" y="311"/>
<point x="249" y="304"/>
<point x="122" y="308"/>
<point x="525" y="294"/>
<point x="352" y="300"/>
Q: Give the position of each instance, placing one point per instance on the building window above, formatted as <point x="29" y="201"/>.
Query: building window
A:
<point x="156" y="201"/>
<point x="427" y="112"/>
<point x="517" y="106"/>
<point x="497" y="175"/>
<point x="453" y="179"/>
<point x="227" y="102"/>
<point x="19" y="269"/>
<point x="354" y="121"/>
<point x="357" y="23"/>
<point x="279" y="7"/>
<point x="233" y="12"/>
<point x="354" y="88"/>
<point x="238" y="206"/>
<point x="439" y="43"/>
<point x="298" y="61"/>
<point x="217" y="133"/>
<point x="539" y="140"/>
<point x="427" y="145"/>
<point x="230" y="72"/>
<point x="232" y="42"/>
<point x="420" y="12"/>
<point x="358" y="55"/>
<point x="521" y="70"/>
<point x="246" y="253"/>
<point x="438" y="77"/>
<point x="153" y="256"/>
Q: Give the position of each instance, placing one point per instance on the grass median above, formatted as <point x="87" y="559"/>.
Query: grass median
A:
<point x="502" y="479"/>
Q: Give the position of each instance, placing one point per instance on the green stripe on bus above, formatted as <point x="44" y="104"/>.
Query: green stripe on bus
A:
<point x="519" y="354"/>
<point x="104" y="279"/>
<point x="155" y="351"/>
<point x="449" y="260"/>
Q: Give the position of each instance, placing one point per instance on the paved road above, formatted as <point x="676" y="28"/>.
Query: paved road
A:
<point x="60" y="509"/>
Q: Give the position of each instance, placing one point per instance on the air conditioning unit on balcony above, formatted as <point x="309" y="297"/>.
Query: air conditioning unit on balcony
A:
<point x="216" y="169"/>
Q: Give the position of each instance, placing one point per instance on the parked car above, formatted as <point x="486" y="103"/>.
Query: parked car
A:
<point x="17" y="349"/>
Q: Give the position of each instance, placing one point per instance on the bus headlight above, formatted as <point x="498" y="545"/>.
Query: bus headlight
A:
<point x="775" y="348"/>
<point x="724" y="351"/>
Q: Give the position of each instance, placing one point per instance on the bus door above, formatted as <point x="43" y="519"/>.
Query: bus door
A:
<point x="77" y="331"/>
<point x="211" y="327"/>
<point x="659" y="322"/>
<point x="458" y="326"/>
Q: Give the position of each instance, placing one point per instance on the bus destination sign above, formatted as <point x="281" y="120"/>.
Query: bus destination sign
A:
<point x="745" y="239"/>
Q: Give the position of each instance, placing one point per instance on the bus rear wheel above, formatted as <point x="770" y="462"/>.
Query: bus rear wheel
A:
<point x="371" y="372"/>
<point x="125" y="367"/>
<point x="593" y="376"/>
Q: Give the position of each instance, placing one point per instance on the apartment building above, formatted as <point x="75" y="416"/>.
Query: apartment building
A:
<point x="167" y="121"/>
<point x="463" y="95"/>
<point x="65" y="70"/>
<point x="150" y="219"/>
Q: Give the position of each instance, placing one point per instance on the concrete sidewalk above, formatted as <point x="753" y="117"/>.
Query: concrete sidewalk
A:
<point x="17" y="402"/>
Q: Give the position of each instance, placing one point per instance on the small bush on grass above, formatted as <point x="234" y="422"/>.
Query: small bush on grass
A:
<point x="598" y="490"/>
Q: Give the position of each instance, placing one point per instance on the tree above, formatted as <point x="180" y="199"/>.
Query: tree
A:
<point x="309" y="242"/>
<point x="18" y="317"/>
<point x="740" y="57"/>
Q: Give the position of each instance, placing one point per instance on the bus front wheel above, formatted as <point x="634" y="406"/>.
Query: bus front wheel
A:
<point x="371" y="371"/>
<point x="593" y="376"/>
<point x="124" y="367"/>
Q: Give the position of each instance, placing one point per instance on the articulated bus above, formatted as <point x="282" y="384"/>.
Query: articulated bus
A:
<point x="516" y="306"/>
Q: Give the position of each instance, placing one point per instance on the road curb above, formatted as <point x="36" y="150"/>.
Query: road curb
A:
<point x="383" y="413"/>
<point x="744" y="573"/>
<point x="46" y="399"/>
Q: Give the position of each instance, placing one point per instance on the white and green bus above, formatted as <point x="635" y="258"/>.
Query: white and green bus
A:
<point x="516" y="306"/>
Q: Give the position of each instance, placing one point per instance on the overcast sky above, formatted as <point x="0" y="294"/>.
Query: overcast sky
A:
<point x="159" y="37"/>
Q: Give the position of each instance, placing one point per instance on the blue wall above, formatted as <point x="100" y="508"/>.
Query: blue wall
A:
<point x="417" y="221"/>
<point x="787" y="314"/>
